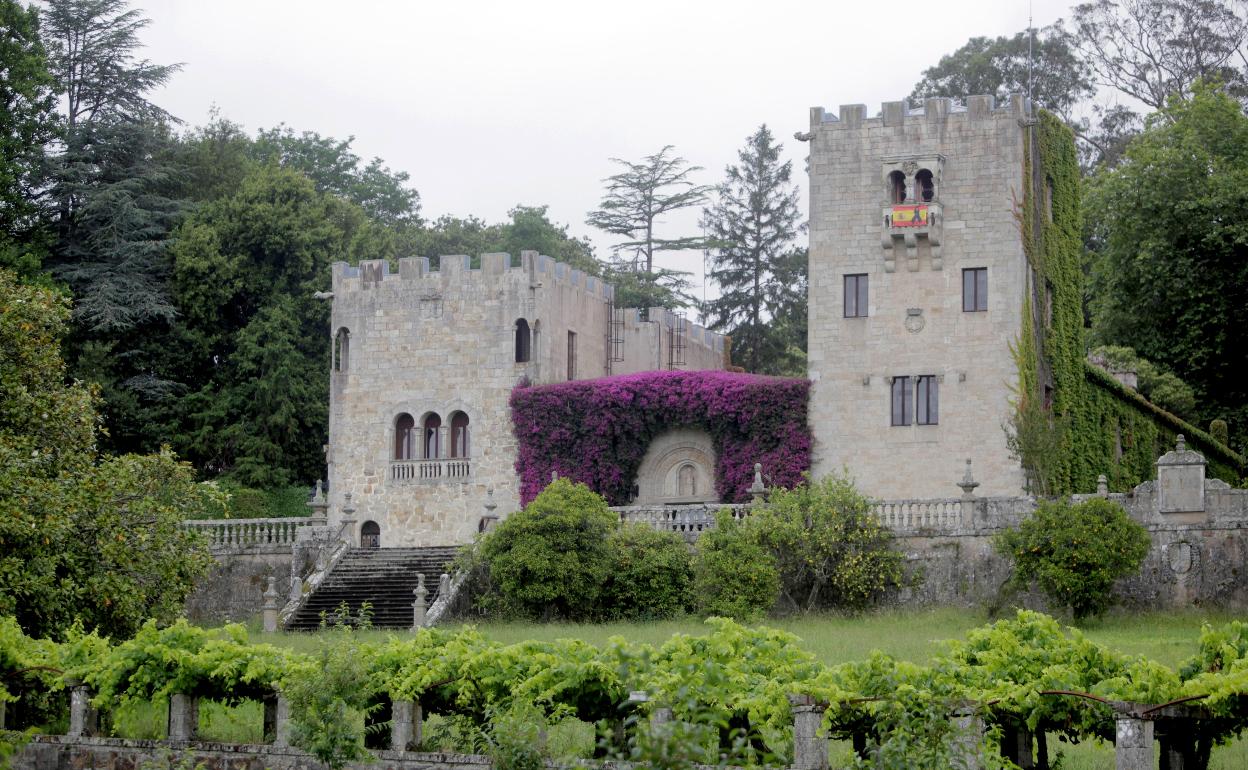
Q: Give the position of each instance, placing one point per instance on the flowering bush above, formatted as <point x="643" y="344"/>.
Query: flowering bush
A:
<point x="597" y="431"/>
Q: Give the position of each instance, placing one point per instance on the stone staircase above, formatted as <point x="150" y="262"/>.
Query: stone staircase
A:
<point x="384" y="577"/>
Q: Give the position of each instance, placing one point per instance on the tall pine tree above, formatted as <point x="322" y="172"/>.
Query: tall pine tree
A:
<point x="762" y="278"/>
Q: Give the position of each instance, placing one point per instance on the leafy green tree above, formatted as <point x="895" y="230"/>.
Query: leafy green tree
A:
<point x="83" y="538"/>
<point x="733" y="575"/>
<point x="245" y="270"/>
<point x="1171" y="278"/>
<point x="1162" y="387"/>
<point x="1047" y="67"/>
<point x="751" y="228"/>
<point x="334" y="168"/>
<point x="551" y="559"/>
<point x="1075" y="553"/>
<point x="829" y="550"/>
<point x="27" y="123"/>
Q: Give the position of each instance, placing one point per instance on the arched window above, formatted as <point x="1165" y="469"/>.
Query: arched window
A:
<point x="433" y="436"/>
<point x="924" y="186"/>
<point x="459" y="435"/>
<point x="370" y="535"/>
<point x="342" y="350"/>
<point x="404" y="443"/>
<point x="897" y="187"/>
<point x="522" y="341"/>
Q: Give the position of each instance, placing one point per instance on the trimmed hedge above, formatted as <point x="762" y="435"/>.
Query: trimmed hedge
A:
<point x="597" y="431"/>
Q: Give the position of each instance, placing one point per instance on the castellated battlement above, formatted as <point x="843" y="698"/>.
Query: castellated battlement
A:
<point x="933" y="111"/>
<point x="530" y="270"/>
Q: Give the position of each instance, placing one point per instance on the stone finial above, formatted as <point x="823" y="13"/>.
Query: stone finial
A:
<point x="758" y="490"/>
<point x="968" y="482"/>
<point x="319" y="497"/>
<point x="420" y="604"/>
<point x="554" y="476"/>
<point x="318" y="506"/>
<point x="1180" y="443"/>
<point x="1102" y="486"/>
<point x="347" y="508"/>
<point x="490" y="505"/>
<point x="269" y="608"/>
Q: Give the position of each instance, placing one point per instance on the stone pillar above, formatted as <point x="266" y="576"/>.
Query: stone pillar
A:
<point x="968" y="485"/>
<point x="1102" y="486"/>
<point x="968" y="733"/>
<point x="269" y="608"/>
<point x="281" y="721"/>
<point x="1181" y="481"/>
<point x="183" y="717"/>
<point x="405" y="725"/>
<point x="83" y="718"/>
<point x="810" y="751"/>
<point x="348" y="521"/>
<point x="419" y="605"/>
<point x="319" y="516"/>
<point x="758" y="491"/>
<point x="1133" y="744"/>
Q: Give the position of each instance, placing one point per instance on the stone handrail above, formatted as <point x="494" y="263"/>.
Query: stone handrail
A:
<point x="329" y="551"/>
<point x="909" y="515"/>
<point x="681" y="519"/>
<point x="228" y="533"/>
<point x="431" y="470"/>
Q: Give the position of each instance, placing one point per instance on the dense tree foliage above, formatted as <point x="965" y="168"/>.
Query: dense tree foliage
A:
<point x="751" y="229"/>
<point x="1171" y="277"/>
<point x="83" y="537"/>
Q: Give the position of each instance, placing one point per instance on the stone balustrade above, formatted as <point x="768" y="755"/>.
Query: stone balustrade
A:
<point x="687" y="520"/>
<point x="417" y="471"/>
<point x="919" y="515"/>
<point x="233" y="533"/>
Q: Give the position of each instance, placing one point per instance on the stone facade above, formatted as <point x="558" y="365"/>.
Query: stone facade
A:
<point x="909" y="200"/>
<point x="423" y="363"/>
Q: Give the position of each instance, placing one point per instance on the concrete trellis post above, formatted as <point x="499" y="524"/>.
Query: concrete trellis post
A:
<point x="1133" y="743"/>
<point x="810" y="751"/>
<point x="406" y="723"/>
<point x="83" y="718"/>
<point x="269" y="608"/>
<point x="420" y="605"/>
<point x="183" y="717"/>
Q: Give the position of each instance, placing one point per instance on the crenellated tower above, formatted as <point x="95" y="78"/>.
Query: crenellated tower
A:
<point x="918" y="277"/>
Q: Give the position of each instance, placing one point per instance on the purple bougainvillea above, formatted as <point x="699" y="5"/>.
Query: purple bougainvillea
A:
<point x="597" y="431"/>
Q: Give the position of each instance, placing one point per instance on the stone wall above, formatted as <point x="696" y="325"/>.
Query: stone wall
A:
<point x="914" y="322"/>
<point x="440" y="342"/>
<point x="231" y="591"/>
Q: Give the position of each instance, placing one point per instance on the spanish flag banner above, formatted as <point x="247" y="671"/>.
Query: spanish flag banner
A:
<point x="909" y="216"/>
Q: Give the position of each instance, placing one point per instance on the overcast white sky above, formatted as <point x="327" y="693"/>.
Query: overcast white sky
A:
<point x="492" y="104"/>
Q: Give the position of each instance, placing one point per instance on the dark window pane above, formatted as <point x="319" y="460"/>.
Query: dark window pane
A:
<point x="862" y="295"/>
<point x="981" y="289"/>
<point x="902" y="408"/>
<point x="968" y="291"/>
<point x="927" y="400"/>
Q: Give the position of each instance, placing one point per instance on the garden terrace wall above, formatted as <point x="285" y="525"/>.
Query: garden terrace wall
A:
<point x="597" y="431"/>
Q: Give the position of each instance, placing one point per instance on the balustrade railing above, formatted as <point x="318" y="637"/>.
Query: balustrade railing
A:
<point x="919" y="514"/>
<point x="431" y="470"/>
<point x="679" y="519"/>
<point x="224" y="533"/>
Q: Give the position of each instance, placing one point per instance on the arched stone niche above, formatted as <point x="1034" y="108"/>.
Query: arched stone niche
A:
<point x="679" y="467"/>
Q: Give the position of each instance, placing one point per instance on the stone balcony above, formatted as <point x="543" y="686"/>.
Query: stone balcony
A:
<point x="905" y="224"/>
<point x="431" y="471"/>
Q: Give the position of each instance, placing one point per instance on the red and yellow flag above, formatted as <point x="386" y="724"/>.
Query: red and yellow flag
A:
<point x="909" y="216"/>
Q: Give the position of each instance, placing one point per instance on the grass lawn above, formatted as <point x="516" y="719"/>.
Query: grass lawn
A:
<point x="913" y="635"/>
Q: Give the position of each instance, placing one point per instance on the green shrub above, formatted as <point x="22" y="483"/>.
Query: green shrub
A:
<point x="733" y="575"/>
<point x="551" y="559"/>
<point x="1075" y="553"/>
<point x="651" y="575"/>
<point x="829" y="550"/>
<point x="250" y="503"/>
<point x="1219" y="430"/>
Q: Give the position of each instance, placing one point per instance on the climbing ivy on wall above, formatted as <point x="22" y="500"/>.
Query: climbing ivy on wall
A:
<point x="597" y="431"/>
<point x="1105" y="427"/>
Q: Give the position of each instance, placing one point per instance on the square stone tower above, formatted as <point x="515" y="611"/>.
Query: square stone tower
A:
<point x="917" y="284"/>
<point x="423" y="363"/>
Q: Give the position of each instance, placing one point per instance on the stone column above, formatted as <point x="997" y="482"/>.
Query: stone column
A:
<point x="269" y="608"/>
<point x="968" y="485"/>
<point x="83" y="718"/>
<point x="420" y="605"/>
<point x="183" y="717"/>
<point x="969" y="732"/>
<point x="405" y="725"/>
<point x="1133" y="744"/>
<point x="810" y="751"/>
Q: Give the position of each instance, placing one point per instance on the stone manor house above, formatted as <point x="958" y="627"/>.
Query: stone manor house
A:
<point x="918" y="283"/>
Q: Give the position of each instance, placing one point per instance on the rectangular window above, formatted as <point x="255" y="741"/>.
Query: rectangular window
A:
<point x="571" y="355"/>
<point x="974" y="289"/>
<point x="903" y="406"/>
<point x="927" y="400"/>
<point x="856" y="296"/>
